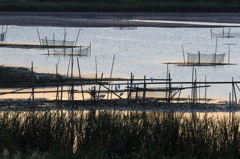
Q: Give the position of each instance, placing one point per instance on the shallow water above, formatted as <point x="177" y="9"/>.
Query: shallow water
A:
<point x="141" y="51"/>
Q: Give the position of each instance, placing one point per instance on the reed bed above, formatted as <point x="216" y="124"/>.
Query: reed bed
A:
<point x="119" y="134"/>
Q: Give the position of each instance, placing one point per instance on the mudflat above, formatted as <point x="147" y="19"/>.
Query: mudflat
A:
<point x="118" y="19"/>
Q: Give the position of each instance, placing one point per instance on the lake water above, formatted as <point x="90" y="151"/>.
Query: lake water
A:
<point x="141" y="51"/>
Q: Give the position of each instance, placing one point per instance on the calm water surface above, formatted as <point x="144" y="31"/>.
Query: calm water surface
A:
<point x="141" y="51"/>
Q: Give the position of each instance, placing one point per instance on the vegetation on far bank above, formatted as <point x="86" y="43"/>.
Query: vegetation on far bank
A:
<point x="121" y="6"/>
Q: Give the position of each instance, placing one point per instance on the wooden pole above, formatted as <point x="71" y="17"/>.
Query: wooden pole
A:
<point x="96" y="68"/>
<point x="79" y="73"/>
<point x="39" y="37"/>
<point x="100" y="86"/>
<point x="72" y="90"/>
<point x="199" y="60"/>
<point x="33" y="102"/>
<point x="215" y="51"/>
<point x="111" y="74"/>
<point x="131" y="83"/>
<point x="77" y="37"/>
<point x="166" y="84"/>
<point x="47" y="45"/>
<point x="144" y="90"/>
<point x="169" y="88"/>
<point x="228" y="53"/>
<point x="179" y="94"/>
<point x="54" y="43"/>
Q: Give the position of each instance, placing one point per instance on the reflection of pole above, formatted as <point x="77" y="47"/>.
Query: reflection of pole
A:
<point x="228" y="53"/>
<point x="215" y="51"/>
<point x="183" y="55"/>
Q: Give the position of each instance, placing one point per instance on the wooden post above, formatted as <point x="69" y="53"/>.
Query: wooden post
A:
<point x="33" y="103"/>
<point x="96" y="68"/>
<point x="111" y="75"/>
<point x="100" y="86"/>
<point x="47" y="45"/>
<point x="166" y="84"/>
<point x="205" y="95"/>
<point x="144" y="89"/>
<point x="169" y="88"/>
<point x="179" y="94"/>
<point x="131" y="82"/>
<point x="72" y="90"/>
<point x="199" y="60"/>
<point x="54" y="43"/>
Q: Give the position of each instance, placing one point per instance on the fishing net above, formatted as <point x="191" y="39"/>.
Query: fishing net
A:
<point x="57" y="42"/>
<point x="205" y="58"/>
<point x="225" y="35"/>
<point x="2" y="36"/>
<point x="80" y="51"/>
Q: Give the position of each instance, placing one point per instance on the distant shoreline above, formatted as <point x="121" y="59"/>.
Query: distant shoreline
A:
<point x="116" y="19"/>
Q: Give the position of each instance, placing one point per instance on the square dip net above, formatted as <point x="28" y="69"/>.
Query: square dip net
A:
<point x="205" y="58"/>
<point x="3" y="36"/>
<point x="79" y="51"/>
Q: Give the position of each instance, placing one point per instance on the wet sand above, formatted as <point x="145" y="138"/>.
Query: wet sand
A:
<point x="116" y="19"/>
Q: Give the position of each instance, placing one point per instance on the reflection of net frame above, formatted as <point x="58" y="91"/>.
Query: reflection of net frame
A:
<point x="205" y="58"/>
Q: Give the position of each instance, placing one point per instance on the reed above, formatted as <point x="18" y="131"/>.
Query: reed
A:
<point x="119" y="134"/>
